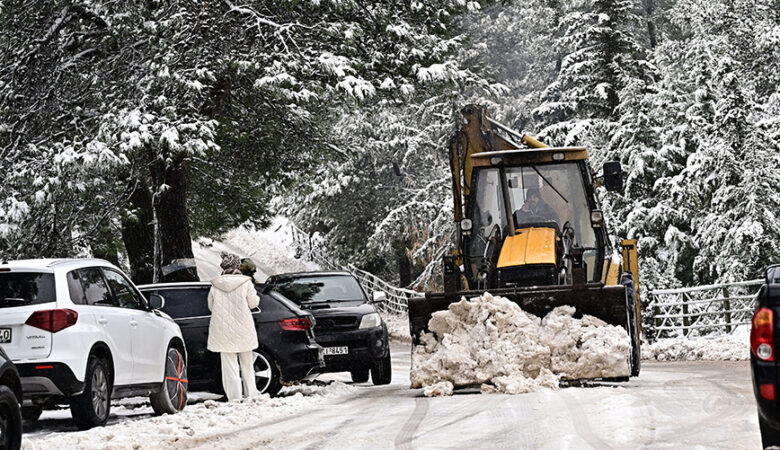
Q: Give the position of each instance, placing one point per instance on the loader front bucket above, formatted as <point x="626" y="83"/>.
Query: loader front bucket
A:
<point x="608" y="303"/>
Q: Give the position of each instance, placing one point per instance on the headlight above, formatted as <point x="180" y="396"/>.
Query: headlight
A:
<point x="370" y="321"/>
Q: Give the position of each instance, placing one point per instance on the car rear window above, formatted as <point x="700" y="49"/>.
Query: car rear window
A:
<point x="26" y="288"/>
<point x="183" y="302"/>
<point x="320" y="289"/>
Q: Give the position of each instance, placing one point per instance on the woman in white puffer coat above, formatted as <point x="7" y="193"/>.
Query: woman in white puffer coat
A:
<point x="232" y="329"/>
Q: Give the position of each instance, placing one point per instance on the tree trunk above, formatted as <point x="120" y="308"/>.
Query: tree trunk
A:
<point x="650" y="17"/>
<point x="138" y="235"/>
<point x="176" y="255"/>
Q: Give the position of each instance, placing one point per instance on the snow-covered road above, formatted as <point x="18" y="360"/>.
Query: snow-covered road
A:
<point x="695" y="404"/>
<point x="671" y="405"/>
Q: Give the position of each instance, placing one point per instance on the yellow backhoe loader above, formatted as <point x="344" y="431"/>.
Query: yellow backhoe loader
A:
<point x="530" y="229"/>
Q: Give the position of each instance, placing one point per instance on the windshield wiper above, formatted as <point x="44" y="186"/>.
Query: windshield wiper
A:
<point x="332" y="300"/>
<point x="13" y="300"/>
<point x="550" y="184"/>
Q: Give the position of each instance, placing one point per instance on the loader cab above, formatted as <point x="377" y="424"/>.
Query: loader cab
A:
<point x="527" y="209"/>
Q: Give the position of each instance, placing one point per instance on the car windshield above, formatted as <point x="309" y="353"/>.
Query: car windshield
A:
<point x="25" y="288"/>
<point x="336" y="288"/>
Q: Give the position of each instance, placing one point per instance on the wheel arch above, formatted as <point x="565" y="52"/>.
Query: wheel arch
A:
<point x="177" y="343"/>
<point x="101" y="350"/>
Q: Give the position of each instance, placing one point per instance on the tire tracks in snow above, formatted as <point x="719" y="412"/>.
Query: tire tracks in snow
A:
<point x="405" y="438"/>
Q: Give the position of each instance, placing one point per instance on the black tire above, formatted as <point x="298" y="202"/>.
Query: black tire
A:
<point x="633" y="324"/>
<point x="172" y="397"/>
<point x="92" y="407"/>
<point x="382" y="372"/>
<point x="10" y="420"/>
<point x="359" y="375"/>
<point x="770" y="437"/>
<point x="31" y="413"/>
<point x="267" y="377"/>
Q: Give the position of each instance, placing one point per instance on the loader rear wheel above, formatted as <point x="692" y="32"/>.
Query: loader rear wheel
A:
<point x="633" y="325"/>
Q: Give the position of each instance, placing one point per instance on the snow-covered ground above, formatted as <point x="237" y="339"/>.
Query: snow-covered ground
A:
<point x="732" y="347"/>
<point x="132" y="425"/>
<point x="398" y="327"/>
<point x="671" y="405"/>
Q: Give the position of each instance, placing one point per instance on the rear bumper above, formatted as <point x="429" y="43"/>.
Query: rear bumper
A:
<point x="42" y="379"/>
<point x="302" y="363"/>
<point x="365" y="348"/>
<point x="766" y="373"/>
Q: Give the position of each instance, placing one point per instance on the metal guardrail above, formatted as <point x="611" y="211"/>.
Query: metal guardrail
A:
<point x="686" y="312"/>
<point x="397" y="298"/>
<point x="700" y="311"/>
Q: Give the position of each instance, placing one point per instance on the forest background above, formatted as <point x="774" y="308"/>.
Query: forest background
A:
<point x="128" y="129"/>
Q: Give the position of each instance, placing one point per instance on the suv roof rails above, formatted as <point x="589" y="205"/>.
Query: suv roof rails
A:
<point x="67" y="260"/>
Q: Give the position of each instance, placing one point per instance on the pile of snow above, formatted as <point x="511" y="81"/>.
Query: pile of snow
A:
<point x="271" y="250"/>
<point x="732" y="347"/>
<point x="397" y="326"/>
<point x="196" y="424"/>
<point x="491" y="341"/>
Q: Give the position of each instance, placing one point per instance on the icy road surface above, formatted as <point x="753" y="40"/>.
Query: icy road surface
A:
<point x="671" y="405"/>
<point x="696" y="404"/>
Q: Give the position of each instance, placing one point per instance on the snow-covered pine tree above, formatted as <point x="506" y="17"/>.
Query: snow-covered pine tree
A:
<point x="602" y="57"/>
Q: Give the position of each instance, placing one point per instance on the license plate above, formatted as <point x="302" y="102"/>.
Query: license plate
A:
<point x="5" y="335"/>
<point x="336" y="351"/>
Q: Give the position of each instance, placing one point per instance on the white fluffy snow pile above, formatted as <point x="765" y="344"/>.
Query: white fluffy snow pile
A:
<point x="198" y="424"/>
<point x="491" y="341"/>
<point x="731" y="347"/>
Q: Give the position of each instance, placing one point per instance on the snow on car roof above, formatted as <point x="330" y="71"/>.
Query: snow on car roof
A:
<point x="50" y="264"/>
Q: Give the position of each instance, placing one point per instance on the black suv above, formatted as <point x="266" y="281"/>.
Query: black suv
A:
<point x="764" y="337"/>
<point x="348" y="325"/>
<point x="10" y="397"/>
<point x="287" y="352"/>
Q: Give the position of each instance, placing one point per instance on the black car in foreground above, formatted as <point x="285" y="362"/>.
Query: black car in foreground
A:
<point x="10" y="398"/>
<point x="287" y="352"/>
<point x="348" y="325"/>
<point x="764" y="339"/>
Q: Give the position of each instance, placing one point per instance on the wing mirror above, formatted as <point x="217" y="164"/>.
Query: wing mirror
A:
<point x="613" y="176"/>
<point x="773" y="274"/>
<point x="156" y="301"/>
<point x="380" y="297"/>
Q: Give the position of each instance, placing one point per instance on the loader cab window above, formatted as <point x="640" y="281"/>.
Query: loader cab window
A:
<point x="562" y="199"/>
<point x="487" y="211"/>
<point x="556" y="193"/>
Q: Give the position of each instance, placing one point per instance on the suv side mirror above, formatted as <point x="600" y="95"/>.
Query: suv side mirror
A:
<point x="379" y="297"/>
<point x="773" y="274"/>
<point x="613" y="176"/>
<point x="156" y="301"/>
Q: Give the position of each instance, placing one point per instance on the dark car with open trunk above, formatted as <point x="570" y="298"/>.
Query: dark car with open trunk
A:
<point x="287" y="352"/>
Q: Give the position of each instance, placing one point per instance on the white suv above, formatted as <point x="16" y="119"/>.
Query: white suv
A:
<point x="80" y="332"/>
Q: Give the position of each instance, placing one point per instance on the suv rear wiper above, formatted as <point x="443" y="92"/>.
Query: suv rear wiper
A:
<point x="13" y="299"/>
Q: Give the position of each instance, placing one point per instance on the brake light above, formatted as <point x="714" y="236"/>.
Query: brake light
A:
<point x="295" y="324"/>
<point x="762" y="334"/>
<point x="53" y="320"/>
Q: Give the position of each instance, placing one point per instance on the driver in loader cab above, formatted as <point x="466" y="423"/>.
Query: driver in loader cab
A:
<point x="535" y="209"/>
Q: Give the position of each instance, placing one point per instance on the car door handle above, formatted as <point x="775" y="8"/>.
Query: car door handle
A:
<point x="102" y="321"/>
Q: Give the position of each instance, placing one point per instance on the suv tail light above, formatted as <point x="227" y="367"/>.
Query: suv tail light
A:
<point x="301" y="324"/>
<point x="53" y="320"/>
<point x="762" y="335"/>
